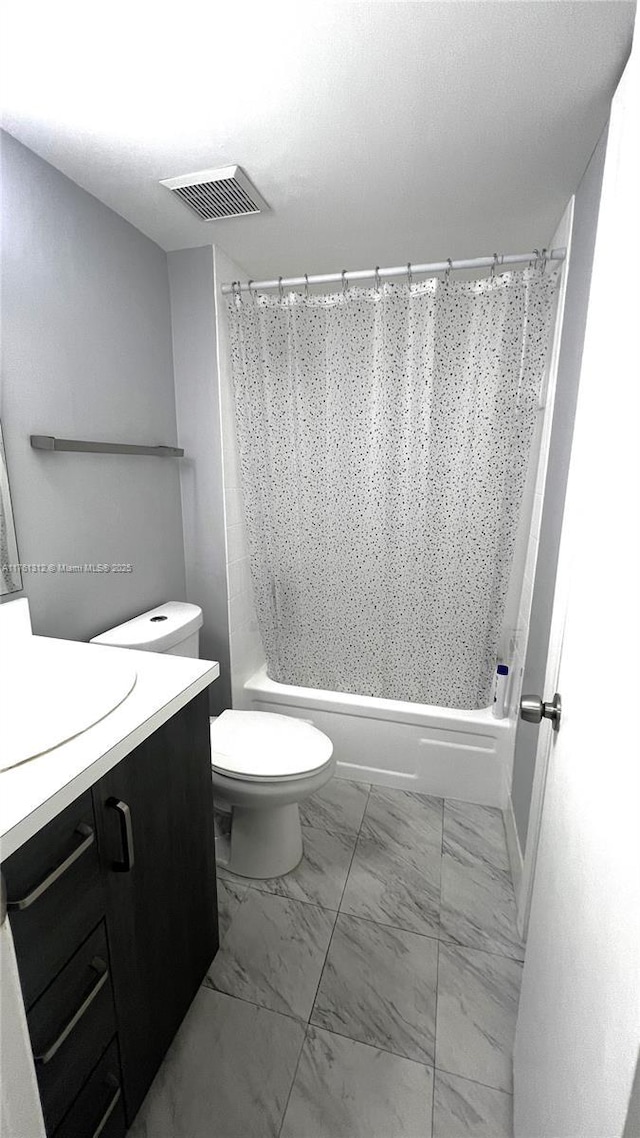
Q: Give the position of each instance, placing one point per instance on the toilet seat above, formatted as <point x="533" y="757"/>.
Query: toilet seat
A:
<point x="262" y="746"/>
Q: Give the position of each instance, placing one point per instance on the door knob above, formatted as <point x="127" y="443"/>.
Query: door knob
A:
<point x="534" y="710"/>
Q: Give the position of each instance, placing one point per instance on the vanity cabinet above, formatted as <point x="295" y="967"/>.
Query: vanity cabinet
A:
<point x="114" y="918"/>
<point x="154" y="815"/>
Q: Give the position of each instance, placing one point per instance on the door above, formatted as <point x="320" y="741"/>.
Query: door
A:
<point x="578" y="1029"/>
<point x="154" y="816"/>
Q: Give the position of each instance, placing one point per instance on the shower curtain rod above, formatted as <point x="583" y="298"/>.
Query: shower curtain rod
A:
<point x="398" y="271"/>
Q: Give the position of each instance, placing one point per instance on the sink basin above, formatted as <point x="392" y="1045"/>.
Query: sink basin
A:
<point x="52" y="690"/>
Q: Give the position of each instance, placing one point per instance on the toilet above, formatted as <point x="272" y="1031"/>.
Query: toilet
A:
<point x="263" y="764"/>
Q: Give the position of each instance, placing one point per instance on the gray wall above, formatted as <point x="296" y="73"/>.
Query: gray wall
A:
<point x="86" y="354"/>
<point x="587" y="201"/>
<point x="198" y="413"/>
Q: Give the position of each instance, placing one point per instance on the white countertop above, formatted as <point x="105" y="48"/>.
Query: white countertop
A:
<point x="32" y="793"/>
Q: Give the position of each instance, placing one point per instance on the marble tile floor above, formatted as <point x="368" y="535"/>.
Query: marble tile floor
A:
<point x="373" y="991"/>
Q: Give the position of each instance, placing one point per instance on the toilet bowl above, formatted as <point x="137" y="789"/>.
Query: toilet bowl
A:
<point x="263" y="765"/>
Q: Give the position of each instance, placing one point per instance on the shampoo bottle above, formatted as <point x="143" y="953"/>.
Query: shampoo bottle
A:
<point x="500" y="697"/>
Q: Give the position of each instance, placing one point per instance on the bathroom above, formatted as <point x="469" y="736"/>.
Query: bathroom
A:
<point x="398" y="311"/>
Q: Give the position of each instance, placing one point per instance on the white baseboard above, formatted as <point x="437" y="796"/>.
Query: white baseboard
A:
<point x="513" y="846"/>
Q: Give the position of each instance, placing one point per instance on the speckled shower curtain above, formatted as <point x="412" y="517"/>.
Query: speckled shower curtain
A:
<point x="384" y="440"/>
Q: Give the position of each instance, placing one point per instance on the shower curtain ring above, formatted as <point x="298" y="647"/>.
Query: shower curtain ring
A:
<point x="494" y="266"/>
<point x="306" y="288"/>
<point x="448" y="269"/>
<point x="345" y="286"/>
<point x="543" y="260"/>
<point x="377" y="276"/>
<point x="249" y="283"/>
<point x="409" y="274"/>
<point x="280" y="289"/>
<point x="235" y="287"/>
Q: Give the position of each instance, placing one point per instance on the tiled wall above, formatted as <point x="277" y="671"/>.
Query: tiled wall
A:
<point x="245" y="646"/>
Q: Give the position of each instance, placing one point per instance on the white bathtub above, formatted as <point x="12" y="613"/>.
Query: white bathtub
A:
<point x="413" y="746"/>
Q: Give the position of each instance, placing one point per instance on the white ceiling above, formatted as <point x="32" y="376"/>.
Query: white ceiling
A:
<point x="377" y="132"/>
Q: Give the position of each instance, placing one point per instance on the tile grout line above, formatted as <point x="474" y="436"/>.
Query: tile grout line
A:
<point x="308" y="1024"/>
<point x="476" y="1082"/>
<point x="313" y="905"/>
<point x="471" y="948"/>
<point x="221" y="939"/>
<point x="248" y="882"/>
<point x="476" y="948"/>
<point x="337" y="913"/>
<point x="323" y="1027"/>
<point x="324" y="965"/>
<point x="252" y="1003"/>
<point x="340" y="1035"/>
<point x="355" y="846"/>
<point x="395" y="928"/>
<point x="283" y="896"/>
<point x="478" y="861"/>
<point x="353" y="853"/>
<point x="382" y="924"/>
<point x="295" y="1075"/>
<point x="373" y="1046"/>
<point x="435" y="1043"/>
<point x="379" y="924"/>
<point x="435" y="1013"/>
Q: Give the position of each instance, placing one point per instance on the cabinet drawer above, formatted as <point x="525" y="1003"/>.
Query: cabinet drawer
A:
<point x="98" y="1111"/>
<point x="71" y="1025"/>
<point x="55" y="895"/>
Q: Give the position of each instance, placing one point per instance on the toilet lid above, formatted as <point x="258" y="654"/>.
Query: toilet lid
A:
<point x="261" y="745"/>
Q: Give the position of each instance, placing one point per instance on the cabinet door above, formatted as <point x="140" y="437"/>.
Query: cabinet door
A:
<point x="154" y="816"/>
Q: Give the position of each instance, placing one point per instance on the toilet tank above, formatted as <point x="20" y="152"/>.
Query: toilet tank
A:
<point x="173" y="628"/>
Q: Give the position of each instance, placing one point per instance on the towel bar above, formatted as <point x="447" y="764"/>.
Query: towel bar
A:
<point x="48" y="442"/>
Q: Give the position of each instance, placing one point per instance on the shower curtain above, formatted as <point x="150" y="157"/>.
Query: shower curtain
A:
<point x="384" y="439"/>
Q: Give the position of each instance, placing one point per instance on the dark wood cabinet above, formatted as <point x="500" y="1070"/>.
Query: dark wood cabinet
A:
<point x="56" y="872"/>
<point x="154" y="815"/>
<point x="114" y="918"/>
<point x="99" y="1108"/>
<point x="71" y="1025"/>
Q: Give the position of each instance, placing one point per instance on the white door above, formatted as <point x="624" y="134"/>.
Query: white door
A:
<point x="578" y="1030"/>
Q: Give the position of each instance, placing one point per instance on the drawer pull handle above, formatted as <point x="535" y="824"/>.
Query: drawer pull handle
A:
<point x="111" y="1081"/>
<point x="100" y="967"/>
<point x="88" y="838"/>
<point x="126" y="835"/>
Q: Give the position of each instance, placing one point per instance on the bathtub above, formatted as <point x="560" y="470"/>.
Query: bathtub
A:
<point x="411" y="746"/>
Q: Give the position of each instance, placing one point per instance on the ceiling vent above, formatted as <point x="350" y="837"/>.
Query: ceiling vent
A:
<point x="217" y="193"/>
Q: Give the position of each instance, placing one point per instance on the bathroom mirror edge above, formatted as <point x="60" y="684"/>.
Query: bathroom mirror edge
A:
<point x="10" y="573"/>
